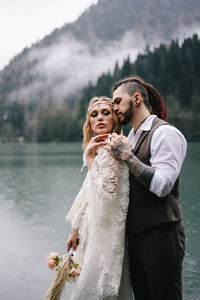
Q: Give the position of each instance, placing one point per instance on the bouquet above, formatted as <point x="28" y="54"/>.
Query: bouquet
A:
<point x="65" y="270"/>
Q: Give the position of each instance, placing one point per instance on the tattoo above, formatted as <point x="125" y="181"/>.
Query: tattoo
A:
<point x="142" y="172"/>
<point x="121" y="150"/>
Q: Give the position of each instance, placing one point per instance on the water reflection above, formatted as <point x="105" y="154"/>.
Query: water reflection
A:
<point x="37" y="186"/>
<point x="190" y="196"/>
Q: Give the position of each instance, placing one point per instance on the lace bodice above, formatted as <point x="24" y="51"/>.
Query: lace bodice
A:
<point x="99" y="211"/>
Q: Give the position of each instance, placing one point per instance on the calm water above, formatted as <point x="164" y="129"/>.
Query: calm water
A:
<point x="37" y="186"/>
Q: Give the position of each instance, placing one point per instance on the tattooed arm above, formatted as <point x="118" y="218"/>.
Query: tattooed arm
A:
<point x="119" y="147"/>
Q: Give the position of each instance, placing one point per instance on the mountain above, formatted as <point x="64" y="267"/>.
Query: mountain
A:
<point x="54" y="70"/>
<point x="175" y="72"/>
<point x="173" y="69"/>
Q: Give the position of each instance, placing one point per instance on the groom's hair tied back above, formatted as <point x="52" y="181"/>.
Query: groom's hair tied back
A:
<point x="152" y="99"/>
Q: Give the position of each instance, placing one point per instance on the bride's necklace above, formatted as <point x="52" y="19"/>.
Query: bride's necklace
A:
<point x="136" y="129"/>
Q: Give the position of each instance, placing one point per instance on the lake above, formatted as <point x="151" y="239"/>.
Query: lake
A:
<point x="38" y="183"/>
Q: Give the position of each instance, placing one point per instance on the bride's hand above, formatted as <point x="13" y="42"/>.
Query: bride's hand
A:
<point x="73" y="240"/>
<point x="92" y="147"/>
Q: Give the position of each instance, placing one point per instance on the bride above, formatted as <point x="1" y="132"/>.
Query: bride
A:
<point x="98" y="214"/>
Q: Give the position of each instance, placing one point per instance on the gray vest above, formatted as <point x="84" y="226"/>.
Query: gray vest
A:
<point x="146" y="210"/>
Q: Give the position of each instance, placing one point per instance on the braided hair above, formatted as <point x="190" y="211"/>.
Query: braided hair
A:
<point x="151" y="96"/>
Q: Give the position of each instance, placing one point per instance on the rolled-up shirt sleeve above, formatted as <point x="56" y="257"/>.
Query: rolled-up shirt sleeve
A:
<point x="168" y="150"/>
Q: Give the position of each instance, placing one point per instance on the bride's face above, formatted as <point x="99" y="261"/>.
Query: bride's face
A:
<point x="101" y="118"/>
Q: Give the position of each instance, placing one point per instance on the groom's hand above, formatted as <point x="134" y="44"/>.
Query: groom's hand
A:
<point x="119" y="146"/>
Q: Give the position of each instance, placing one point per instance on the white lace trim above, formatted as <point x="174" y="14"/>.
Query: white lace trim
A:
<point x="99" y="211"/>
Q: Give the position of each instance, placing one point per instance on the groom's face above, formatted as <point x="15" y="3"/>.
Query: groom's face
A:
<point x="123" y="105"/>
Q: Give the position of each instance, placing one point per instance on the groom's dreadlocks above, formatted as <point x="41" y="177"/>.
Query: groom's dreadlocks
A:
<point x="150" y="95"/>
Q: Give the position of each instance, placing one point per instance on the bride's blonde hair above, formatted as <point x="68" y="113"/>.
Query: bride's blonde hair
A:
<point x="87" y="130"/>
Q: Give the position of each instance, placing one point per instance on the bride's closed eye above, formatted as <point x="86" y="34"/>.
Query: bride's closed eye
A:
<point x="94" y="114"/>
<point x="105" y="112"/>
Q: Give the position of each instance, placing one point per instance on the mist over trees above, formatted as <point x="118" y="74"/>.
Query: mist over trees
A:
<point x="49" y="72"/>
<point x="173" y="69"/>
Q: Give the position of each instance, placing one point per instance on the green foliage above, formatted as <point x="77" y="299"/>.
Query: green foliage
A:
<point x="16" y="117"/>
<point x="27" y="79"/>
<point x="174" y="70"/>
<point x="56" y="124"/>
<point x="126" y="69"/>
<point x="13" y="122"/>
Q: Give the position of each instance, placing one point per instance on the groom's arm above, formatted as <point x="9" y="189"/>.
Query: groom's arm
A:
<point x="120" y="148"/>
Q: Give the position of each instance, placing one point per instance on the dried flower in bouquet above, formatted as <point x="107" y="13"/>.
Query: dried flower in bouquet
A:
<point x="65" y="270"/>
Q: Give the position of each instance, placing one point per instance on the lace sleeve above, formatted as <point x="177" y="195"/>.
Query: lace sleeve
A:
<point x="105" y="173"/>
<point x="77" y="211"/>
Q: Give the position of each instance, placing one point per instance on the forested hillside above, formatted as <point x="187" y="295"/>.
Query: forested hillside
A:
<point x="173" y="69"/>
<point x="54" y="70"/>
<point x="108" y="20"/>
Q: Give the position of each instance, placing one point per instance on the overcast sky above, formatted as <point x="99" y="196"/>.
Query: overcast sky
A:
<point x="23" y="22"/>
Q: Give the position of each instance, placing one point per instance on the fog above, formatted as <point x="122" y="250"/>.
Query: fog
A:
<point x="65" y="67"/>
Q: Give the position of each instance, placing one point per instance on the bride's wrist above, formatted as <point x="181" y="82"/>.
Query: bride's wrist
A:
<point x="74" y="231"/>
<point x="89" y="159"/>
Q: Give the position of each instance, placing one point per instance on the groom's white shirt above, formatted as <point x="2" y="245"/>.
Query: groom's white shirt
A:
<point x="168" y="150"/>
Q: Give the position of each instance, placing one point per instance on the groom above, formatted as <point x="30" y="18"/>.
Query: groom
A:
<point x="154" y="152"/>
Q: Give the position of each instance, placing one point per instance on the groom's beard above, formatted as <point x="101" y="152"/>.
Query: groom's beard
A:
<point x="128" y="114"/>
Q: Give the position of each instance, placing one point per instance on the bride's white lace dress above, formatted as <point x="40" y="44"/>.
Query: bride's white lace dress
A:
<point x="99" y="211"/>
